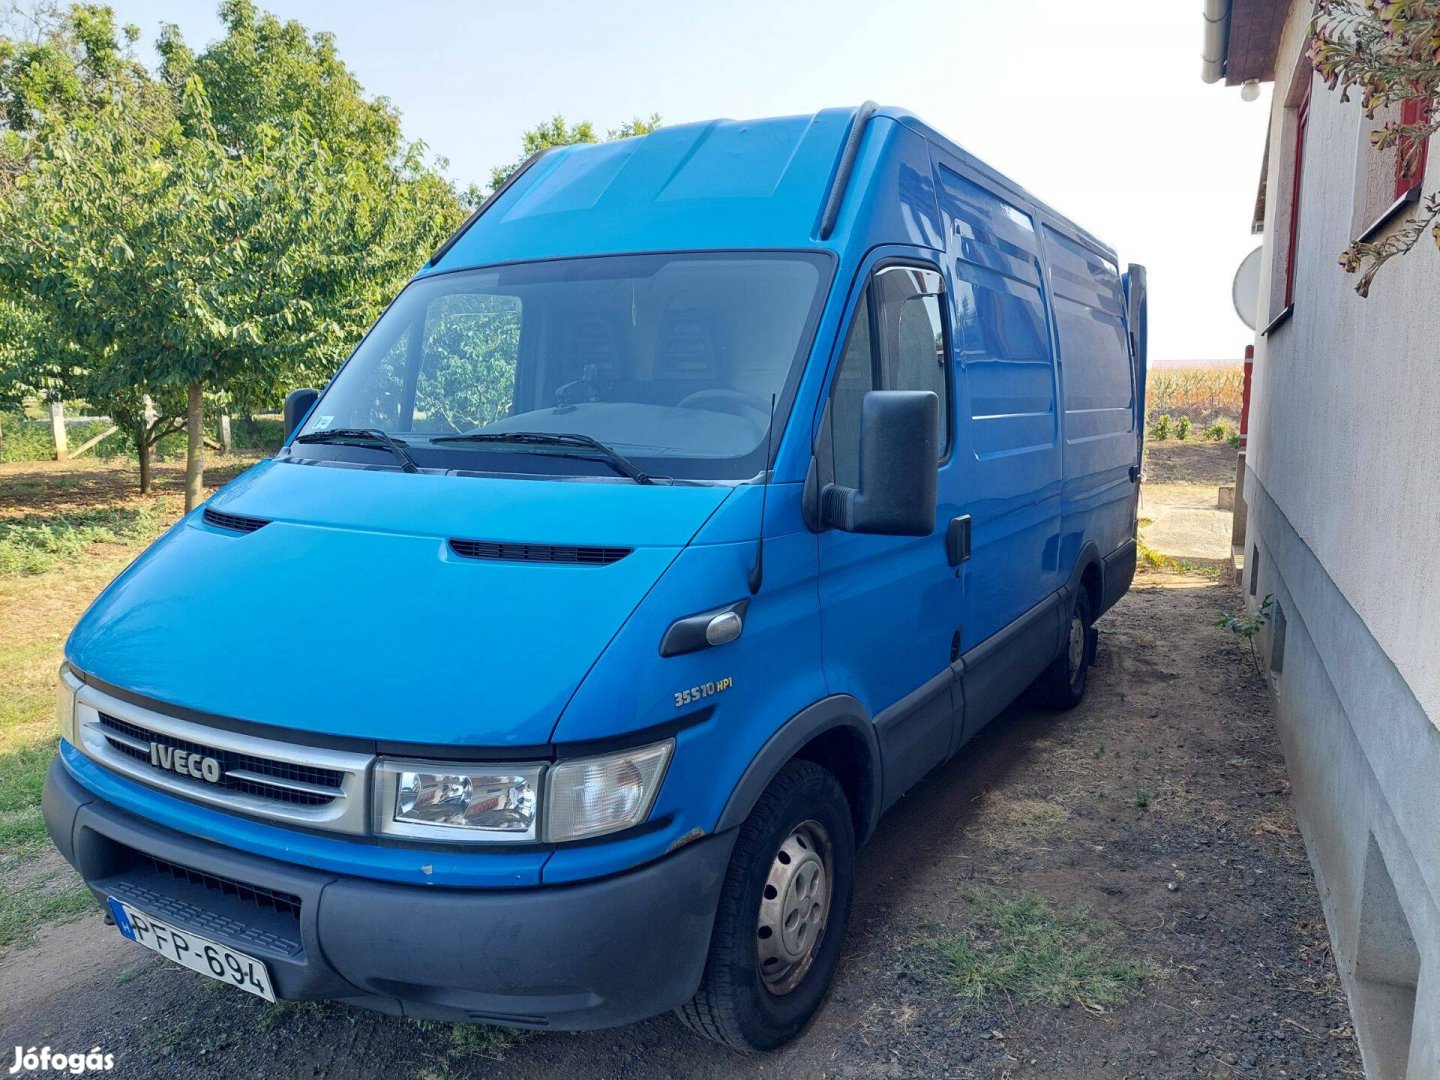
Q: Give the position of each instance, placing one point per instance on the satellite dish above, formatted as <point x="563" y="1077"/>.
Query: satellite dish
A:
<point x="1246" y="289"/>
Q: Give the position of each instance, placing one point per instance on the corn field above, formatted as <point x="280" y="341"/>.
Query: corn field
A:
<point x="1207" y="395"/>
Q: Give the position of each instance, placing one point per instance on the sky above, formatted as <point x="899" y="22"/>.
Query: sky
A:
<point x="1095" y="107"/>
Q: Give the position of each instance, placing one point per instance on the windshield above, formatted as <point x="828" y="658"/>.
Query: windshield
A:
<point x="670" y="360"/>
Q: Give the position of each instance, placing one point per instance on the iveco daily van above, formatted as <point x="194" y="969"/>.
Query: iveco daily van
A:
<point x="704" y="492"/>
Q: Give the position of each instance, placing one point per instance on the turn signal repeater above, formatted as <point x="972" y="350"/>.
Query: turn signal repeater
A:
<point x="705" y="630"/>
<point x="723" y="628"/>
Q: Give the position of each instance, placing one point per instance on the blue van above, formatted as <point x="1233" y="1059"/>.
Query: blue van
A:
<point x="700" y="495"/>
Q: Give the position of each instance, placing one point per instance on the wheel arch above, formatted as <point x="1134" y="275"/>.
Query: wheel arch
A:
<point x="836" y="733"/>
<point x="1088" y="573"/>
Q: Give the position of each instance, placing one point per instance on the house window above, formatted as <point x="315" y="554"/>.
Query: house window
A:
<point x="1302" y="124"/>
<point x="1410" y="152"/>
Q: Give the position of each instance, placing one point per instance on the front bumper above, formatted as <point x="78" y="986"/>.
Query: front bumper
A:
<point x="590" y="955"/>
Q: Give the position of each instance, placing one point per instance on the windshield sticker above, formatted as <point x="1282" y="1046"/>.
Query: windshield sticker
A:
<point x="323" y="422"/>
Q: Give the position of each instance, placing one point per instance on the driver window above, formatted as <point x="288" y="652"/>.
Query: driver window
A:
<point x="896" y="342"/>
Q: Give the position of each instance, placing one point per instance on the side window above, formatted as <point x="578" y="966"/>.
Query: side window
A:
<point x="896" y="342"/>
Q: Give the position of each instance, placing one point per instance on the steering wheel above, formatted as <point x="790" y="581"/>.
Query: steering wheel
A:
<point x="723" y="399"/>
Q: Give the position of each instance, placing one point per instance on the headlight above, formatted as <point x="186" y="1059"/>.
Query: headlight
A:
<point x="460" y="802"/>
<point x="67" y="686"/>
<point x="591" y="796"/>
<point x="453" y="801"/>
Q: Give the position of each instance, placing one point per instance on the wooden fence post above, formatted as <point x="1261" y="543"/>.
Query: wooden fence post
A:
<point x="226" y="443"/>
<point x="57" y="430"/>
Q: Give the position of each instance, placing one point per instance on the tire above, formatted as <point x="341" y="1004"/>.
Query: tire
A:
<point x="755" y="994"/>
<point x="1062" y="685"/>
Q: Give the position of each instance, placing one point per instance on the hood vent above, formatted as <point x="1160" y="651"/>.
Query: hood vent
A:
<point x="233" y="522"/>
<point x="560" y="554"/>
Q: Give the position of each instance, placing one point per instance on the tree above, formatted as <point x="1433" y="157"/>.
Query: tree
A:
<point x="1388" y="51"/>
<point x="225" y="251"/>
<point x="556" y="132"/>
<point x="58" y="71"/>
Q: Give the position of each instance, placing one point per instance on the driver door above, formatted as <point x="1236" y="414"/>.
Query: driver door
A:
<point x="891" y="605"/>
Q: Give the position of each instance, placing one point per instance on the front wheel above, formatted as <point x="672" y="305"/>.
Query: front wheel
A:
<point x="782" y="916"/>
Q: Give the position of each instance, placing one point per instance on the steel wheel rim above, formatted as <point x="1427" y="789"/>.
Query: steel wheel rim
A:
<point x="1076" y="648"/>
<point x="794" y="907"/>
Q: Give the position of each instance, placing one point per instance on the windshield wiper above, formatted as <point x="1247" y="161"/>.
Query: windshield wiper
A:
<point x="618" y="461"/>
<point x="363" y="437"/>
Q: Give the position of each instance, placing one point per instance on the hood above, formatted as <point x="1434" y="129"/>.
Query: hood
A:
<point x="349" y="613"/>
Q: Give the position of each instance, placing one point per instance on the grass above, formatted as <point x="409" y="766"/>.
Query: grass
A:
<point x="36" y="899"/>
<point x="460" y="1044"/>
<point x="1024" y="949"/>
<point x="36" y="543"/>
<point x="28" y="438"/>
<point x="65" y="531"/>
<point x="1004" y="820"/>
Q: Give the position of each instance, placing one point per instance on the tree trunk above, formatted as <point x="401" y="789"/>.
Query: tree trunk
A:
<point x="142" y="448"/>
<point x="194" y="448"/>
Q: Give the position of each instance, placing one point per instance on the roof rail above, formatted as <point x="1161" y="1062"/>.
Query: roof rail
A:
<point x="836" y="195"/>
<point x="444" y="249"/>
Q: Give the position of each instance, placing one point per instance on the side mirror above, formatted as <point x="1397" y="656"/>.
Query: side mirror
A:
<point x="899" y="449"/>
<point x="297" y="404"/>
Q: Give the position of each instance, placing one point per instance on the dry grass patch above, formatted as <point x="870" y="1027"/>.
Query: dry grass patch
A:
<point x="1004" y="820"/>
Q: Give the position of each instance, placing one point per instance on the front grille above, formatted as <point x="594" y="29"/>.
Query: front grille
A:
<point x="258" y="895"/>
<point x="233" y="522"/>
<point x="264" y="778"/>
<point x="564" y="554"/>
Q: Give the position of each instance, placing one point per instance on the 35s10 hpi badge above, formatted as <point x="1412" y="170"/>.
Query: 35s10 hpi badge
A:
<point x="704" y="690"/>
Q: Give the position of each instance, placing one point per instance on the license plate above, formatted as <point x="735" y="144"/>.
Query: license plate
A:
<point x="193" y="951"/>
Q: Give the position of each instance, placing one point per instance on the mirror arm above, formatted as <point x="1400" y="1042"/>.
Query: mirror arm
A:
<point x="837" y="507"/>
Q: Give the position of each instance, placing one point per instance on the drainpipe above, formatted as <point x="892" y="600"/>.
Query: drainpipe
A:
<point x="1217" y="40"/>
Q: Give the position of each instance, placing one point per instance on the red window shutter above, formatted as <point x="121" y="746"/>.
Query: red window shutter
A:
<point x="1410" y="158"/>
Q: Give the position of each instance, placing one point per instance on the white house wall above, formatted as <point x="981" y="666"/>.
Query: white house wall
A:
<point x="1343" y="486"/>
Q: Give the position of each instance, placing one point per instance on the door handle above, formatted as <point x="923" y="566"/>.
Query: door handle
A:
<point x="957" y="540"/>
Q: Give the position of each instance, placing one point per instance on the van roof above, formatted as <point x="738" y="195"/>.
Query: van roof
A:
<point x="720" y="184"/>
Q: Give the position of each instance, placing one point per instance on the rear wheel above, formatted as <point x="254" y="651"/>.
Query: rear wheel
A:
<point x="783" y="912"/>
<point x="1062" y="684"/>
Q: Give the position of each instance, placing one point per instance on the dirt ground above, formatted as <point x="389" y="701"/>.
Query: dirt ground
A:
<point x="1191" y="461"/>
<point x="1179" y="501"/>
<point x="1160" y="803"/>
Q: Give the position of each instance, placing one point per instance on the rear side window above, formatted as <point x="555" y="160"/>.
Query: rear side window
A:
<point x="1090" y="321"/>
<point x="896" y="342"/>
<point x="1002" y="331"/>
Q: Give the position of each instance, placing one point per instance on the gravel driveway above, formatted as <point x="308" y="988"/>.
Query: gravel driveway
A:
<point x="1157" y="812"/>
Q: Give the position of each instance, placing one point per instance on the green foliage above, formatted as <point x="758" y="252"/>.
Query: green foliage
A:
<point x="34" y="544"/>
<point x="1160" y="427"/>
<point x="234" y="225"/>
<point x="1215" y="433"/>
<point x="556" y="132"/>
<point x="1388" y="51"/>
<point x="25" y="439"/>
<point x="1182" y="428"/>
<point x="1233" y="440"/>
<point x="1247" y="625"/>
<point x="1025" y="950"/>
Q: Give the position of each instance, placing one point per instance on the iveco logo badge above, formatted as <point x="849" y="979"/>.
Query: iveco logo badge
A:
<point x="185" y="763"/>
